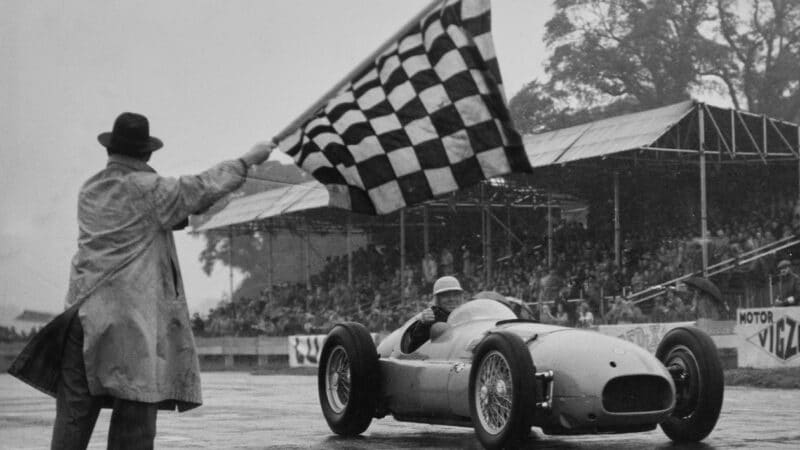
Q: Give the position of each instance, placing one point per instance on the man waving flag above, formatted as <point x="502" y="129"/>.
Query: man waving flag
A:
<point x="425" y="117"/>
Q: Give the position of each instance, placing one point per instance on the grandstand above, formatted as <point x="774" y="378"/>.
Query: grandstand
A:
<point x="683" y="190"/>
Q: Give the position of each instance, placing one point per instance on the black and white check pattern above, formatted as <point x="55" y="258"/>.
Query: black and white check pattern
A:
<point x="428" y="117"/>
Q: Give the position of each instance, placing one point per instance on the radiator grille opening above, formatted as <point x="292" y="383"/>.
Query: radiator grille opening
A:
<point x="637" y="393"/>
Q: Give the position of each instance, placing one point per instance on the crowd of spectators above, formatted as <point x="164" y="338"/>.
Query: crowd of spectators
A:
<point x="583" y="286"/>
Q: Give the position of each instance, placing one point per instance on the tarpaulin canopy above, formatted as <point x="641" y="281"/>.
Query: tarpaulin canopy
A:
<point x="670" y="133"/>
<point x="603" y="137"/>
<point x="270" y="203"/>
<point x="728" y="133"/>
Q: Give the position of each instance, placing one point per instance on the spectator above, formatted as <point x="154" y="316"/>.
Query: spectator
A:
<point x="550" y="285"/>
<point x="788" y="285"/>
<point x="430" y="268"/>
<point x="660" y="312"/>
<point x="561" y="315"/>
<point x="676" y="309"/>
<point x="446" y="262"/>
<point x="466" y="262"/>
<point x="585" y="316"/>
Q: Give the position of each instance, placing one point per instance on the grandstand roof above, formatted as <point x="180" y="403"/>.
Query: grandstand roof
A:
<point x="662" y="136"/>
<point x="673" y="129"/>
<point x="35" y="316"/>
<point x="270" y="203"/>
<point x="603" y="137"/>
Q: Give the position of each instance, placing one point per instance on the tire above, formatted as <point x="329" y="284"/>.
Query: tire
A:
<point x="509" y="358"/>
<point x="699" y="392"/>
<point x="347" y="379"/>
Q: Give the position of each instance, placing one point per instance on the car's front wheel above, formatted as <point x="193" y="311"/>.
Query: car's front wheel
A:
<point x="347" y="379"/>
<point x="691" y="358"/>
<point x="502" y="394"/>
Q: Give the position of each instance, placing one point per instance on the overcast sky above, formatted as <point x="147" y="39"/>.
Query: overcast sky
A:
<point x="213" y="78"/>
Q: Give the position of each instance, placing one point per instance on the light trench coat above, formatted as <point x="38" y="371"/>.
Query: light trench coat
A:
<point x="138" y="342"/>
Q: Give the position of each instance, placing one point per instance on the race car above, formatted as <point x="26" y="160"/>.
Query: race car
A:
<point x="486" y="368"/>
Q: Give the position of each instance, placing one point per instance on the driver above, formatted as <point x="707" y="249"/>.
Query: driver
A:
<point x="447" y="295"/>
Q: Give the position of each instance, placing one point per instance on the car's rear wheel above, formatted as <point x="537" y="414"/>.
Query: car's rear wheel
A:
<point x="502" y="394"/>
<point x="692" y="359"/>
<point x="347" y="379"/>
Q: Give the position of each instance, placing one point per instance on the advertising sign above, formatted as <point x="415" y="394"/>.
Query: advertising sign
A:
<point x="768" y="337"/>
<point x="305" y="350"/>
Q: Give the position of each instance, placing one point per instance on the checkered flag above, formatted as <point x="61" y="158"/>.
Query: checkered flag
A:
<point x="427" y="117"/>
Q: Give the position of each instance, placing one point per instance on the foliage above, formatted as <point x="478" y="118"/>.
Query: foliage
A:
<point x="250" y="252"/>
<point x="763" y="37"/>
<point x="652" y="51"/>
<point x="614" y="56"/>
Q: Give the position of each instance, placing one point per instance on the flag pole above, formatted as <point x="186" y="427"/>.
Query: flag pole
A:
<point x="369" y="60"/>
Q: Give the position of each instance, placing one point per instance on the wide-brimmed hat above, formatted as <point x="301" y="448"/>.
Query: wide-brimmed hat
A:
<point x="131" y="134"/>
<point x="784" y="263"/>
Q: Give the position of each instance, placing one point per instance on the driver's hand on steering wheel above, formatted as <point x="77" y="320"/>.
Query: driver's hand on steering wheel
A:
<point x="428" y="316"/>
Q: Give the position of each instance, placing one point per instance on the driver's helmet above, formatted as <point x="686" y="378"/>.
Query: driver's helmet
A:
<point x="445" y="284"/>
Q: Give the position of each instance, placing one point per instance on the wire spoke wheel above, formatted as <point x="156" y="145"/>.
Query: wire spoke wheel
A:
<point x="337" y="379"/>
<point x="494" y="392"/>
<point x="346" y="381"/>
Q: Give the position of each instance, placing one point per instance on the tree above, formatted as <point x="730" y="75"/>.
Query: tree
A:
<point x="616" y="56"/>
<point x="533" y="108"/>
<point x="652" y="51"/>
<point x="536" y="108"/>
<point x="248" y="253"/>
<point x="763" y="37"/>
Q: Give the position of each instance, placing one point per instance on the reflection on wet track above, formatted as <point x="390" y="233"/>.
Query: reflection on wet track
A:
<point x="246" y="411"/>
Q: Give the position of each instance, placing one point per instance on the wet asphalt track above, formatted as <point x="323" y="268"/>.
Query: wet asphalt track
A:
<point x="247" y="411"/>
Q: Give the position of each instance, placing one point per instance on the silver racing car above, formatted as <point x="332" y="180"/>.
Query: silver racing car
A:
<point x="486" y="368"/>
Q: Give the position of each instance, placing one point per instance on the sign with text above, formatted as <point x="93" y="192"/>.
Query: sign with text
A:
<point x="768" y="337"/>
<point x="645" y="335"/>
<point x="306" y="349"/>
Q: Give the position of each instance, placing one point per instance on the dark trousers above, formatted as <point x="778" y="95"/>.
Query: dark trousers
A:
<point x="133" y="424"/>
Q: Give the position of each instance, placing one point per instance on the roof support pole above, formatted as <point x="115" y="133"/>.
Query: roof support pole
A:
<point x="484" y="219"/>
<point x="402" y="252"/>
<point x="783" y="138"/>
<point x="349" y="246"/>
<point x="720" y="135"/>
<point x="307" y="254"/>
<point x="426" y="243"/>
<point x="733" y="132"/>
<point x="508" y="229"/>
<point x="617" y="229"/>
<point x="271" y="262"/>
<point x="761" y="151"/>
<point x="703" y="205"/>
<point x="549" y="230"/>
<point x="489" y="255"/>
<point x="230" y="263"/>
